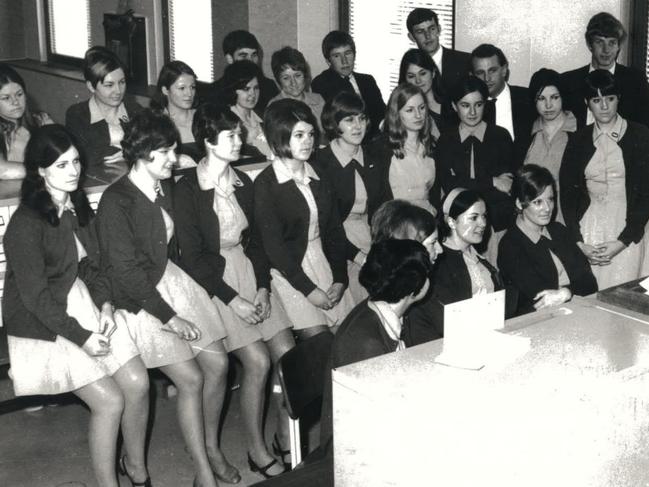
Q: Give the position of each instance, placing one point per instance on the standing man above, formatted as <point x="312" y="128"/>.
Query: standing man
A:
<point x="604" y="37"/>
<point x="424" y="30"/>
<point x="339" y="50"/>
<point x="508" y="106"/>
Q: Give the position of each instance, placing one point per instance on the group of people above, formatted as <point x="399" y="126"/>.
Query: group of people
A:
<point x="367" y="221"/>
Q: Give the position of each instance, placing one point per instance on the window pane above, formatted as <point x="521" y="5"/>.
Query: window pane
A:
<point x="190" y="35"/>
<point x="380" y="55"/>
<point x="69" y="27"/>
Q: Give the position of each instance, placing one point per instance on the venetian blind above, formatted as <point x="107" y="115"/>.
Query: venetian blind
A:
<point x="69" y="27"/>
<point x="190" y="36"/>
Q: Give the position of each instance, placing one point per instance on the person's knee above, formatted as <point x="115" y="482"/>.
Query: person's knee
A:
<point x="112" y="403"/>
<point x="257" y="363"/>
<point x="135" y="383"/>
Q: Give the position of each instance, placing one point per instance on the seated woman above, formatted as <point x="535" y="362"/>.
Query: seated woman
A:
<point x="241" y="94"/>
<point x="176" y="96"/>
<point x="604" y="181"/>
<point x="96" y="123"/>
<point x="553" y="128"/>
<point x="356" y="181"/>
<point x="57" y="307"/>
<point x="297" y="216"/>
<point x="405" y="150"/>
<point x="172" y="320"/>
<point x="214" y="209"/>
<point x="293" y="77"/>
<point x="16" y="123"/>
<point x="537" y="256"/>
<point x="478" y="156"/>
<point x="418" y="69"/>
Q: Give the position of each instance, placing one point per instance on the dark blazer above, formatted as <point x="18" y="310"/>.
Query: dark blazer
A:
<point x="42" y="265"/>
<point x="329" y="84"/>
<point x="529" y="267"/>
<point x="344" y="188"/>
<point x="424" y="321"/>
<point x="267" y="91"/>
<point x="134" y="249"/>
<point x="492" y="157"/>
<point x="572" y="181"/>
<point x="94" y="139"/>
<point x="282" y="217"/>
<point x="198" y="233"/>
<point x="634" y="102"/>
<point x="455" y="66"/>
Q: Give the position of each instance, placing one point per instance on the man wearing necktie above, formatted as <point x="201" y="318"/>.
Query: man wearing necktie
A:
<point x="508" y="106"/>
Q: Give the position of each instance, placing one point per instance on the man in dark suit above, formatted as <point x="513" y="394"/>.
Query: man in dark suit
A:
<point x="508" y="106"/>
<point x="424" y="30"/>
<point x="604" y="37"/>
<point x="339" y="50"/>
<point x="240" y="45"/>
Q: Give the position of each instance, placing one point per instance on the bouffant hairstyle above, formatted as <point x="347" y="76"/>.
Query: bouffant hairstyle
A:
<point x="334" y="40"/>
<point x="469" y="84"/>
<point x="45" y="146"/>
<point x="604" y="24"/>
<point x="343" y="105"/>
<point x="280" y="118"/>
<point x="600" y="82"/>
<point x="394" y="126"/>
<point x="169" y="73"/>
<point x="289" y="57"/>
<point x="530" y="181"/>
<point x="145" y="132"/>
<point x="541" y="80"/>
<point x="394" y="218"/>
<point x="210" y="120"/>
<point x="235" y="77"/>
<point x="98" y="62"/>
<point x="395" y="269"/>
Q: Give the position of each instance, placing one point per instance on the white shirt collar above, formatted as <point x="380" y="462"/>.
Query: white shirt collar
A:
<point x="390" y="321"/>
<point x="437" y="58"/>
<point x="504" y="117"/>
<point x="478" y="131"/>
<point x="283" y="173"/>
<point x="343" y="158"/>
<point x="145" y="183"/>
<point x="611" y="70"/>
<point x="208" y="179"/>
<point x="97" y="115"/>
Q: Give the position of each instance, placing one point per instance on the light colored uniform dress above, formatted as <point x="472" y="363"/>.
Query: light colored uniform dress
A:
<point x="481" y="281"/>
<point x="315" y="265"/>
<point x="190" y="302"/>
<point x="55" y="367"/>
<point x="412" y="177"/>
<point x="239" y="273"/>
<point x="254" y="131"/>
<point x="605" y="217"/>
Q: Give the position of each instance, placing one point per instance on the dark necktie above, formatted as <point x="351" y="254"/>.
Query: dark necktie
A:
<point x="354" y="164"/>
<point x="490" y="111"/>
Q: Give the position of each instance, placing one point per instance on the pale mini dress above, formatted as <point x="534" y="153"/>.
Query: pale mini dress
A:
<point x="315" y="265"/>
<point x="239" y="273"/>
<point x="605" y="217"/>
<point x="356" y="224"/>
<point x="190" y="302"/>
<point x="412" y="177"/>
<point x="55" y="367"/>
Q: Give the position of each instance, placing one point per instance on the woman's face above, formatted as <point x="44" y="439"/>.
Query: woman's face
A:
<point x="249" y="96"/>
<point x="549" y="104"/>
<point x="292" y="82"/>
<point x="161" y="162"/>
<point x="302" y="141"/>
<point x="470" y="108"/>
<point x="470" y="226"/>
<point x="182" y="92"/>
<point x="420" y="77"/>
<point x="432" y="245"/>
<point x="539" y="210"/>
<point x="604" y="108"/>
<point x="413" y="114"/>
<point x="228" y="145"/>
<point x="352" y="128"/>
<point x="63" y="174"/>
<point x="111" y="90"/>
<point x="12" y="101"/>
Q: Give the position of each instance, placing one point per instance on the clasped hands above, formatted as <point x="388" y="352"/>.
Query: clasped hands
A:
<point x="326" y="299"/>
<point x="601" y="253"/>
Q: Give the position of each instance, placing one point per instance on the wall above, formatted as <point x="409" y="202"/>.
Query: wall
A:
<point x="11" y="27"/>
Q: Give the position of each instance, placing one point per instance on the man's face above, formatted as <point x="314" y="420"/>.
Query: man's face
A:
<point x="489" y="70"/>
<point x="341" y="59"/>
<point x="426" y="36"/>
<point x="243" y="54"/>
<point x="604" y="51"/>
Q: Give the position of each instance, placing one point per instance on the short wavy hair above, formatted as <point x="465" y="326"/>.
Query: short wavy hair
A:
<point x="210" y="120"/>
<point x="344" y="104"/>
<point x="235" y="77"/>
<point x="147" y="131"/>
<point x="604" y="24"/>
<point x="99" y="62"/>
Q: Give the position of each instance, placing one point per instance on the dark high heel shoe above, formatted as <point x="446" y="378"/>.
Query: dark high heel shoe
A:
<point x="263" y="470"/>
<point x="121" y="468"/>
<point x="277" y="450"/>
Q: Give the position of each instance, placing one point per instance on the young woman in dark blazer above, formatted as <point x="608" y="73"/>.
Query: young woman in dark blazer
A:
<point x="297" y="216"/>
<point x="355" y="179"/>
<point x="537" y="255"/>
<point x="173" y="322"/>
<point x="57" y="306"/>
<point x="220" y="250"/>
<point x="96" y="123"/>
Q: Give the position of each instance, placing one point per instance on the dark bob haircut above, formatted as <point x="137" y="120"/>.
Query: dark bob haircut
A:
<point x="395" y="269"/>
<point x="530" y="181"/>
<point x="604" y="24"/>
<point x="145" y="132"/>
<point x="169" y="73"/>
<point x="235" y="77"/>
<point x="394" y="218"/>
<point x="336" y="39"/>
<point x="343" y="105"/>
<point x="239" y="39"/>
<point x="542" y="79"/>
<point x="600" y="82"/>
<point x="289" y="57"/>
<point x="210" y="120"/>
<point x="469" y="84"/>
<point x="419" y="15"/>
<point x="489" y="50"/>
<point x="99" y="62"/>
<point x="280" y="118"/>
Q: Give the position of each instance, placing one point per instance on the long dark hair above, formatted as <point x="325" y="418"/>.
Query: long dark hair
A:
<point x="9" y="75"/>
<point x="422" y="59"/>
<point x="45" y="146"/>
<point x="169" y="73"/>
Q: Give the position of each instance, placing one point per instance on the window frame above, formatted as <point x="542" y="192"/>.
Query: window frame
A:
<point x="53" y="57"/>
<point x="638" y="37"/>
